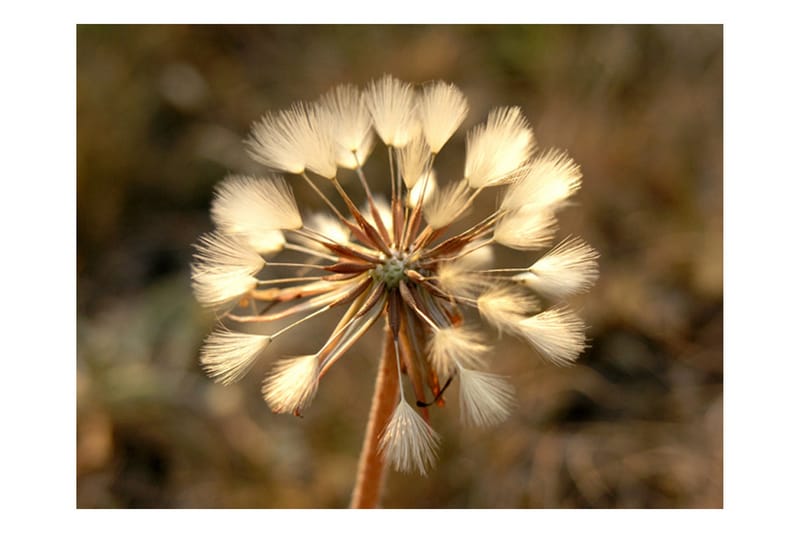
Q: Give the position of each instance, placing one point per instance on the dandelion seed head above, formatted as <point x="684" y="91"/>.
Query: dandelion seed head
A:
<point x="422" y="262"/>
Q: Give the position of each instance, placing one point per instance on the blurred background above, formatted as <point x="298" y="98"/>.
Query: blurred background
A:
<point x="162" y="111"/>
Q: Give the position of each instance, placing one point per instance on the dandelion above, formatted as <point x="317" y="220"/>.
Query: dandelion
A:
<point x="398" y="261"/>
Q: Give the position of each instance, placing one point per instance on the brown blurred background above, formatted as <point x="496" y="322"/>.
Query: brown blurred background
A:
<point x="162" y="111"/>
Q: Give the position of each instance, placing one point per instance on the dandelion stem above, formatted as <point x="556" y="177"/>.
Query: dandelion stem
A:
<point x="371" y="465"/>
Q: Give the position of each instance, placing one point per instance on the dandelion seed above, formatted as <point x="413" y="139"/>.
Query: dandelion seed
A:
<point x="497" y="149"/>
<point x="294" y="140"/>
<point x="223" y="269"/>
<point x="350" y="124"/>
<point x="454" y="347"/>
<point x="526" y="229"/>
<point x="569" y="268"/>
<point x="442" y="109"/>
<point x="292" y="384"/>
<point x="558" y="334"/>
<point x="413" y="161"/>
<point x="485" y="399"/>
<point x="392" y="105"/>
<point x="255" y="209"/>
<point x="444" y="208"/>
<point x="227" y="355"/>
<point x="408" y="442"/>
<point x="503" y="306"/>
<point x="545" y="183"/>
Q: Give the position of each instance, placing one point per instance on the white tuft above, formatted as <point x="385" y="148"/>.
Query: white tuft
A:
<point x="223" y="269"/>
<point x="452" y="347"/>
<point x="226" y="355"/>
<point x="292" y="384"/>
<point x="526" y="229"/>
<point x="327" y="225"/>
<point x="268" y="242"/>
<point x="428" y="185"/>
<point x="546" y="183"/>
<point x="392" y="105"/>
<point x="503" y="307"/>
<point x="569" y="268"/>
<point x="486" y="399"/>
<point x="254" y="208"/>
<point x="497" y="149"/>
<point x="443" y="208"/>
<point x="408" y="442"/>
<point x="295" y="139"/>
<point x="456" y="277"/>
<point x="558" y="334"/>
<point x="481" y="256"/>
<point x="442" y="108"/>
<point x="413" y="159"/>
<point x="351" y="125"/>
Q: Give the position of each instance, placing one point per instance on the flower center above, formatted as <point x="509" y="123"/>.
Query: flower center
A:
<point x="391" y="272"/>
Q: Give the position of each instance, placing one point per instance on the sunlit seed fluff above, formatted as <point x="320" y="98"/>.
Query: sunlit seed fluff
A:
<point x="268" y="242"/>
<point x="408" y="442"/>
<point x="391" y="103"/>
<point x="226" y="252"/>
<point x="444" y="208"/>
<point x="326" y="225"/>
<point x="227" y="355"/>
<point x="569" y="268"/>
<point x="498" y="148"/>
<point x="292" y="383"/>
<point x="545" y="183"/>
<point x="485" y="399"/>
<point x="427" y="186"/>
<point x="223" y="269"/>
<point x="457" y="278"/>
<point x="558" y="334"/>
<point x="294" y="140"/>
<point x="422" y="280"/>
<point x="442" y="107"/>
<point x="351" y="125"/>
<point x="413" y="159"/>
<point x="254" y="208"/>
<point x="503" y="307"/>
<point x="526" y="229"/>
<point x="453" y="346"/>
<point x="480" y="256"/>
<point x="218" y="289"/>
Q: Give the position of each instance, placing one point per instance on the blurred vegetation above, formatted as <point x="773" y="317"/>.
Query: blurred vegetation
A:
<point x="162" y="111"/>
